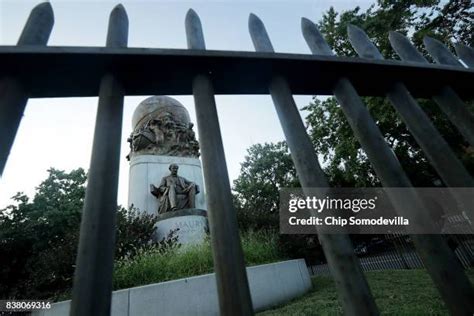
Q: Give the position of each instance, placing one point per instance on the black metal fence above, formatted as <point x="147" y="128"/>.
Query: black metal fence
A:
<point x="32" y="70"/>
<point x="397" y="252"/>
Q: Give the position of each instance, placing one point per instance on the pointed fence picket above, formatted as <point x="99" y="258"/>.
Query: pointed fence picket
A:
<point x="106" y="73"/>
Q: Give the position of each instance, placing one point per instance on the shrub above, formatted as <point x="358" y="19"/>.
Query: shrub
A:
<point x="153" y="266"/>
<point x="33" y="234"/>
<point x="39" y="237"/>
<point x="133" y="231"/>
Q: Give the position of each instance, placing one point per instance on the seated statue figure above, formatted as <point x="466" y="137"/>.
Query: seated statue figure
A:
<point x="174" y="192"/>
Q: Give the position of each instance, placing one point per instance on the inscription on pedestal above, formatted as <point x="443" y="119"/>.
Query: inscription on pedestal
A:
<point x="190" y="229"/>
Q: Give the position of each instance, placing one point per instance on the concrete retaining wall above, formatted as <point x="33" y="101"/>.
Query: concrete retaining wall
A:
<point x="270" y="285"/>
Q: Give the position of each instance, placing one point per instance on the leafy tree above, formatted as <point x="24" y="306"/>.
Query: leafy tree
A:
<point x="27" y="228"/>
<point x="346" y="163"/>
<point x="268" y="166"/>
<point x="39" y="238"/>
<point x="266" y="169"/>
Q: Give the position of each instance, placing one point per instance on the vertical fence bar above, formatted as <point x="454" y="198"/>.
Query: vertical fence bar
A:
<point x="231" y="276"/>
<point x="401" y="250"/>
<point x="420" y="263"/>
<point x="437" y="150"/>
<point x="465" y="53"/>
<point x="94" y="264"/>
<point x="457" y="112"/>
<point x="461" y="255"/>
<point x="447" y="99"/>
<point x="375" y="264"/>
<point x="380" y="261"/>
<point x="398" y="254"/>
<point x="363" y="264"/>
<point x="463" y="249"/>
<point x="391" y="253"/>
<point x="370" y="264"/>
<point x="400" y="264"/>
<point x="440" y="53"/>
<point x="351" y="284"/>
<point x="13" y="97"/>
<point x="398" y="251"/>
<point x="441" y="263"/>
<point x="467" y="242"/>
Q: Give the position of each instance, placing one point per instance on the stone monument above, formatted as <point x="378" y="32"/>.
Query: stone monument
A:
<point x="161" y="143"/>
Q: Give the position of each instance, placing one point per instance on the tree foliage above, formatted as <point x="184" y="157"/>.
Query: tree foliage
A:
<point x="30" y="229"/>
<point x="345" y="161"/>
<point x="449" y="21"/>
<point x="39" y="238"/>
<point x="266" y="169"/>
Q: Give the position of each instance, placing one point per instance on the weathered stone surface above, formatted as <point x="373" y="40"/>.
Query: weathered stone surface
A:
<point x="270" y="285"/>
<point x="183" y="212"/>
<point x="149" y="169"/>
<point x="161" y="126"/>
<point x="190" y="226"/>
<point x="120" y="306"/>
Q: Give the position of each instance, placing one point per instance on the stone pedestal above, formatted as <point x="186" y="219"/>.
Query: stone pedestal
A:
<point x="190" y="226"/>
<point x="150" y="169"/>
<point x="163" y="135"/>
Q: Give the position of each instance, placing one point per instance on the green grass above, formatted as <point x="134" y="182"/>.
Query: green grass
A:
<point x="153" y="267"/>
<point x="396" y="292"/>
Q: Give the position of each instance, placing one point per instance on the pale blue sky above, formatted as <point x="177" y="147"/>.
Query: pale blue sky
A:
<point x="58" y="132"/>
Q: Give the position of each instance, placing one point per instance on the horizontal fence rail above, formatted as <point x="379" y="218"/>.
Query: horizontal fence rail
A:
<point x="30" y="70"/>
<point x="440" y="261"/>
<point x="42" y="70"/>
<point x="437" y="150"/>
<point x="338" y="249"/>
<point x="13" y="95"/>
<point x="448" y="100"/>
<point x="466" y="54"/>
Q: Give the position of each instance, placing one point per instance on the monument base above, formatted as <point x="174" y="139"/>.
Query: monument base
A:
<point x="270" y="285"/>
<point x="189" y="225"/>
<point x="150" y="169"/>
